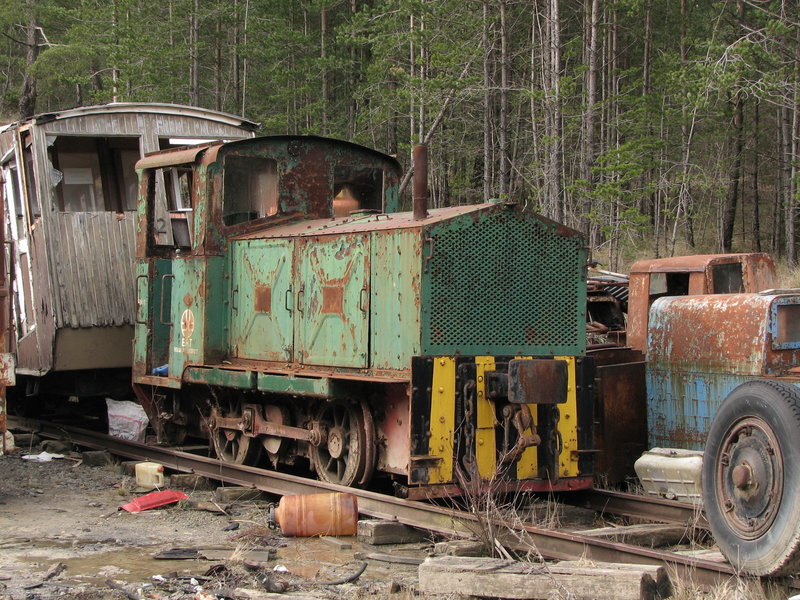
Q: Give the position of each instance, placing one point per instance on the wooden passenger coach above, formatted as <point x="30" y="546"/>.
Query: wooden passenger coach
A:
<point x="70" y="188"/>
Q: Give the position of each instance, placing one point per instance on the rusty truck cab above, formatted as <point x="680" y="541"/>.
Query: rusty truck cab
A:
<point x="621" y="428"/>
<point x="691" y="276"/>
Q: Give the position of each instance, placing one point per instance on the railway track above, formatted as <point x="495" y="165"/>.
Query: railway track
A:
<point x="648" y="508"/>
<point x="551" y="544"/>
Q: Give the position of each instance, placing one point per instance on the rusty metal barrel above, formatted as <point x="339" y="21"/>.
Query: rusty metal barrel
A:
<point x="317" y="514"/>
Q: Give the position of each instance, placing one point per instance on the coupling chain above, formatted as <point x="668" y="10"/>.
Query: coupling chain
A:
<point x="469" y="429"/>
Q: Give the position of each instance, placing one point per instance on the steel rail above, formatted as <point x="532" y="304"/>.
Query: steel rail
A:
<point x="659" y="510"/>
<point x="548" y="543"/>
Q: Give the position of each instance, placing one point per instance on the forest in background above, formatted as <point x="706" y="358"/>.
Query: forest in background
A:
<point x="657" y="127"/>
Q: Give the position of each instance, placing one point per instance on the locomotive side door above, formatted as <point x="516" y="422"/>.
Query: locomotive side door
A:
<point x="261" y="309"/>
<point x="332" y="327"/>
<point x="166" y="236"/>
<point x="154" y="282"/>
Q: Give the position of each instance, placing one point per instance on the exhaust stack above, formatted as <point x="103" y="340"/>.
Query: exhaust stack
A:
<point x="420" y="185"/>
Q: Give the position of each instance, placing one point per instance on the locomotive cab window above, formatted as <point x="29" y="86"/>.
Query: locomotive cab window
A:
<point x="250" y="189"/>
<point x="356" y="188"/>
<point x="170" y="193"/>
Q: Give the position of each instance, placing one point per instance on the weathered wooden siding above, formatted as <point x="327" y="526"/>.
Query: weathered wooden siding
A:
<point x="35" y="351"/>
<point x="92" y="254"/>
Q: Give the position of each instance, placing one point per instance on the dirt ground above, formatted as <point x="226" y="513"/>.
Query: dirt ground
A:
<point x="62" y="535"/>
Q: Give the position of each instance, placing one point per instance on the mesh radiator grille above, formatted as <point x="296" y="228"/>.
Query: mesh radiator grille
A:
<point x="505" y="282"/>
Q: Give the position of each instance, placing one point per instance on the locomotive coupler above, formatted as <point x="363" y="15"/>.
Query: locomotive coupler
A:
<point x="519" y="416"/>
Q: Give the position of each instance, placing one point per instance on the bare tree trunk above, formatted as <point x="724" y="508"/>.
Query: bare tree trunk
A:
<point x="235" y="62"/>
<point x="244" y="60"/>
<point x="218" y="60"/>
<point x="593" y="9"/>
<point x="194" y="59"/>
<point x="735" y="176"/>
<point x="434" y="125"/>
<point x="793" y="139"/>
<point x="684" y="208"/>
<point x="661" y="193"/>
<point x="115" y="68"/>
<point x="504" y="83"/>
<point x="535" y="67"/>
<point x="612" y="135"/>
<point x="27" y="97"/>
<point x="756" y="224"/>
<point x="487" y="106"/>
<point x="647" y="206"/>
<point x="791" y="213"/>
<point x="352" y="109"/>
<point x="555" y="201"/>
<point x="323" y="53"/>
<point x="412" y="61"/>
<point x="787" y="199"/>
<point x="423" y="75"/>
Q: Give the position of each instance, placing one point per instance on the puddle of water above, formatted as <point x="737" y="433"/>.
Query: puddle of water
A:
<point x="130" y="565"/>
<point x="94" y="563"/>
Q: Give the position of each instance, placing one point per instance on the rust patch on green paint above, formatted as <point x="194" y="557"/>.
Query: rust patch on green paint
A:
<point x="263" y="299"/>
<point x="332" y="300"/>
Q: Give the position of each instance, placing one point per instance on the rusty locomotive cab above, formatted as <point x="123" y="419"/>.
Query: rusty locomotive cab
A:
<point x="291" y="312"/>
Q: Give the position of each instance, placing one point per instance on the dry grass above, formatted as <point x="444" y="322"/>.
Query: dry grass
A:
<point x="788" y="277"/>
<point x="125" y="487"/>
<point x="736" y="588"/>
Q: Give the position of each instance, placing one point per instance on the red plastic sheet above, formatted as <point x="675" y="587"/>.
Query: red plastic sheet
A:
<point x="154" y="500"/>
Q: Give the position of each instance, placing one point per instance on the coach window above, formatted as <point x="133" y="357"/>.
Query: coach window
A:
<point x="94" y="174"/>
<point x="34" y="207"/>
<point x="250" y="188"/>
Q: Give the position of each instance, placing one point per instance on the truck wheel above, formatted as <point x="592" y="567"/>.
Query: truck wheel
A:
<point x="751" y="478"/>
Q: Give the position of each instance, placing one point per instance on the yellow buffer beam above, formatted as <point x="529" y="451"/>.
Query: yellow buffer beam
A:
<point x="443" y="410"/>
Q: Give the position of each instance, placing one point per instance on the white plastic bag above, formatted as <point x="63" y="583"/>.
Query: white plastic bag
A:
<point x="126" y="420"/>
<point x="42" y="457"/>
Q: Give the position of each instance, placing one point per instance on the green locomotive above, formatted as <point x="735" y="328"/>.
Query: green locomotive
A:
<point x="290" y="313"/>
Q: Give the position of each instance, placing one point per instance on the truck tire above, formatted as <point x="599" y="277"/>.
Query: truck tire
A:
<point x="751" y="478"/>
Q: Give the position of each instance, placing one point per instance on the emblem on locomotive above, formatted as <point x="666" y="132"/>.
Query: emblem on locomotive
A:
<point x="187" y="328"/>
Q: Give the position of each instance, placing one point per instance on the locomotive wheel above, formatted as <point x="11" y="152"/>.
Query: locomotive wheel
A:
<point x="231" y="445"/>
<point x="751" y="474"/>
<point x="347" y="456"/>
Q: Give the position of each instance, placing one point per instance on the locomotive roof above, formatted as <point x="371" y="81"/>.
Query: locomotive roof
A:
<point x="177" y="156"/>
<point x="360" y="222"/>
<point x="314" y="139"/>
